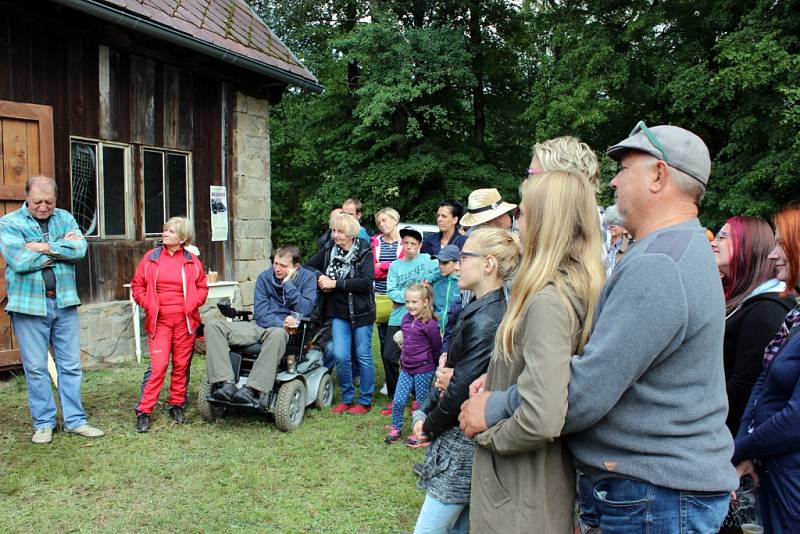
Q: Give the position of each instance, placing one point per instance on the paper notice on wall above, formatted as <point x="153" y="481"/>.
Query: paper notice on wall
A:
<point x="219" y="213"/>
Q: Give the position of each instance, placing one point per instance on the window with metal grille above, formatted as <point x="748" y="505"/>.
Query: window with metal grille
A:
<point x="166" y="186"/>
<point x="100" y="174"/>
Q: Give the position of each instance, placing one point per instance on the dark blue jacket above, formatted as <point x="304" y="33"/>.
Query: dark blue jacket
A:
<point x="432" y="243"/>
<point x="274" y="301"/>
<point x="773" y="413"/>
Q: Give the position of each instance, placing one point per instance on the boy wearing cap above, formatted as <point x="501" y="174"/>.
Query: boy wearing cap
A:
<point x="413" y="268"/>
<point x="444" y="283"/>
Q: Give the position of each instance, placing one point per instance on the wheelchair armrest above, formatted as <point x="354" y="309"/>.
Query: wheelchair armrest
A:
<point x="232" y="313"/>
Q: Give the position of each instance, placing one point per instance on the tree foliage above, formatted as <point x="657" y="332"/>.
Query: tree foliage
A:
<point x="427" y="100"/>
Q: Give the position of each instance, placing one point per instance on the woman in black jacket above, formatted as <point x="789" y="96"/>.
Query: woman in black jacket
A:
<point x="344" y="269"/>
<point x="754" y="307"/>
<point x="489" y="257"/>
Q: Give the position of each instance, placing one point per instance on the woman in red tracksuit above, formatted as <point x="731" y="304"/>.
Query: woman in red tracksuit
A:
<point x="170" y="286"/>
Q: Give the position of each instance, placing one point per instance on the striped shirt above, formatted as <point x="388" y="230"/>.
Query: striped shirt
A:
<point x="26" y="291"/>
<point x="388" y="253"/>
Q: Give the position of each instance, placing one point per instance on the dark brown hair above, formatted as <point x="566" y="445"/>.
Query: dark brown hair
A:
<point x="751" y="242"/>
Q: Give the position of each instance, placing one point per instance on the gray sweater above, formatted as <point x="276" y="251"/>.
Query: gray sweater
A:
<point x="647" y="398"/>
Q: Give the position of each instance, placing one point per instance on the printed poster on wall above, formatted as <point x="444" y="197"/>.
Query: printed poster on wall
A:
<point x="219" y="213"/>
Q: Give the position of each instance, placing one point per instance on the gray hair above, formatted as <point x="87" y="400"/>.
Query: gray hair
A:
<point x="688" y="185"/>
<point x="35" y="181"/>
<point x="612" y="216"/>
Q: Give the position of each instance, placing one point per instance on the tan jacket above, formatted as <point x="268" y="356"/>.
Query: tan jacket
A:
<point x="522" y="477"/>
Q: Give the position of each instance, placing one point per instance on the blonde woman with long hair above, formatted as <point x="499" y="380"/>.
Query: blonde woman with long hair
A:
<point x="522" y="474"/>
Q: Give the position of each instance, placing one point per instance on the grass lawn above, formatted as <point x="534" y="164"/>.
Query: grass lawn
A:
<point x="333" y="474"/>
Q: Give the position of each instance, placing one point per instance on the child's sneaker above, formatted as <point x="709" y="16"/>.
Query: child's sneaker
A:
<point x="414" y="406"/>
<point x="387" y="410"/>
<point x="392" y="436"/>
<point x="414" y="443"/>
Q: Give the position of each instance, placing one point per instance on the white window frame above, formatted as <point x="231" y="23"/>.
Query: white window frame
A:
<point x="189" y="183"/>
<point x="128" y="182"/>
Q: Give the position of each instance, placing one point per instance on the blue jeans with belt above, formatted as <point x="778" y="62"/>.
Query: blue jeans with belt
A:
<point x="35" y="334"/>
<point x="632" y="506"/>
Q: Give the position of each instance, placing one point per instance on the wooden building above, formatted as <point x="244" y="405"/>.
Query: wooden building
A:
<point x="137" y="107"/>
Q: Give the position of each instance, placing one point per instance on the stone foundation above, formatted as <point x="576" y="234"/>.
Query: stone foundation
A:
<point x="107" y="330"/>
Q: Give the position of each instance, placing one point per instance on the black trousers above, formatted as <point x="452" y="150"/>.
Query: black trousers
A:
<point x="391" y="360"/>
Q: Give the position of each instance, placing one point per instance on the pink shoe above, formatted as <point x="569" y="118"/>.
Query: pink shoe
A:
<point x="341" y="408"/>
<point x="359" y="409"/>
<point x="392" y="436"/>
<point x="414" y="406"/>
<point x="414" y="443"/>
<point x="387" y="410"/>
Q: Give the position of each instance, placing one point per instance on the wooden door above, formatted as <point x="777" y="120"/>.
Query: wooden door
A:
<point x="26" y="149"/>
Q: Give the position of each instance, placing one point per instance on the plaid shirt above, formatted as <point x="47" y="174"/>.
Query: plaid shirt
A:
<point x="26" y="293"/>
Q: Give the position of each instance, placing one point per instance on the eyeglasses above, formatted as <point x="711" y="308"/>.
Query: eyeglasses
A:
<point x="642" y="127"/>
<point x="532" y="171"/>
<point x="468" y="255"/>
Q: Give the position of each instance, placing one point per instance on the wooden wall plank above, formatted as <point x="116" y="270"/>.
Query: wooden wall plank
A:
<point x="172" y="118"/>
<point x="6" y="68"/>
<point x="186" y="112"/>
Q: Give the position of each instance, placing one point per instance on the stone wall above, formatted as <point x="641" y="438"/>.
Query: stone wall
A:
<point x="251" y="193"/>
<point x="107" y="331"/>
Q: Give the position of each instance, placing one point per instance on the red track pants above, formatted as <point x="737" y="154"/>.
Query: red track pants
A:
<point x="172" y="336"/>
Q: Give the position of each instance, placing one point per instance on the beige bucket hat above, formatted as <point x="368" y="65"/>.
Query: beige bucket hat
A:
<point x="483" y="206"/>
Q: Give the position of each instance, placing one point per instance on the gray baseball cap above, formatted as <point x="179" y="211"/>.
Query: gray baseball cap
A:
<point x="449" y="253"/>
<point x="679" y="148"/>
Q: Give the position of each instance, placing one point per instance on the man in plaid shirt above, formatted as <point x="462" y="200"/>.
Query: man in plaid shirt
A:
<point x="40" y="243"/>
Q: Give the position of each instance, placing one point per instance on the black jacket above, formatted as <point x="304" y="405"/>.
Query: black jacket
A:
<point x="748" y="331"/>
<point x="470" y="351"/>
<point x="353" y="299"/>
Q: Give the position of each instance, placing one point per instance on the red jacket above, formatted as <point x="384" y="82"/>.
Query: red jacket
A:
<point x="382" y="267"/>
<point x="195" y="289"/>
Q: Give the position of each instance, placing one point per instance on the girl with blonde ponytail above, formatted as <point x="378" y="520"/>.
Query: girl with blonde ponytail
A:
<point x="549" y="318"/>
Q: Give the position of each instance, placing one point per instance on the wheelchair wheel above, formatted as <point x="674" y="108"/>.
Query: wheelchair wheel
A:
<point x="290" y="406"/>
<point x="324" y="392"/>
<point x="208" y="411"/>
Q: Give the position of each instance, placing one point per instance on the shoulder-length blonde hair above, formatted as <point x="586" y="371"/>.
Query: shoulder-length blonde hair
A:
<point x="562" y="245"/>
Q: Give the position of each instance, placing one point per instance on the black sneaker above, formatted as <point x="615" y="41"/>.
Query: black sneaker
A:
<point x="225" y="391"/>
<point x="143" y="422"/>
<point x="176" y="414"/>
<point x="246" y="395"/>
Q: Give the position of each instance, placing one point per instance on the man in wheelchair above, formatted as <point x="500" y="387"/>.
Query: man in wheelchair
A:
<point x="284" y="288"/>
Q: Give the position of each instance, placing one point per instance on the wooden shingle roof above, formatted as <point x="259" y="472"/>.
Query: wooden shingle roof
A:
<point x="229" y="25"/>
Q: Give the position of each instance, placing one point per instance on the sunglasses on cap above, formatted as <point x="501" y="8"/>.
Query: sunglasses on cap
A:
<point x="642" y="127"/>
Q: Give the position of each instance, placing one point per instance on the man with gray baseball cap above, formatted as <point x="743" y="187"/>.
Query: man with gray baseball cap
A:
<point x="647" y="403"/>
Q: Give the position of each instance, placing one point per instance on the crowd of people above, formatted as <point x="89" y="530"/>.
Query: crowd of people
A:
<point x="554" y="350"/>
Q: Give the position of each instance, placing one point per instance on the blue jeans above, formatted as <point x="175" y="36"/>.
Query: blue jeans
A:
<point x="436" y="517"/>
<point x="344" y="334"/>
<point x="632" y="506"/>
<point x="60" y="328"/>
<point x="588" y="510"/>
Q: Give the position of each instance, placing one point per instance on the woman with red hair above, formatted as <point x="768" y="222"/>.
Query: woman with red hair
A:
<point x="768" y="441"/>
<point x="754" y="307"/>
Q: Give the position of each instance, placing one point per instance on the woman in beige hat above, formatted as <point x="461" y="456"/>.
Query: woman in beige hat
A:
<point x="485" y="207"/>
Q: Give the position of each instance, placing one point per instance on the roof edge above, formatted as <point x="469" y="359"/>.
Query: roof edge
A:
<point x="158" y="30"/>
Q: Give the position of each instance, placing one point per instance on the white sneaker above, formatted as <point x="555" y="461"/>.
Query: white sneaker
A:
<point x="384" y="390"/>
<point x="42" y="436"/>
<point x="86" y="431"/>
